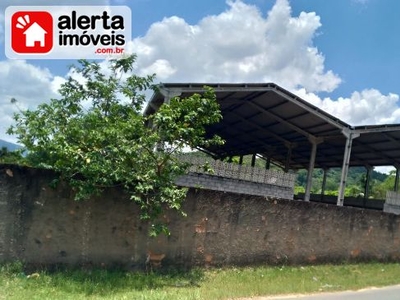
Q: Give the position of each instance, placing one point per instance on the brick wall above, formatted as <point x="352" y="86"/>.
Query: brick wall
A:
<point x="217" y="183"/>
<point x="235" y="178"/>
<point x="43" y="226"/>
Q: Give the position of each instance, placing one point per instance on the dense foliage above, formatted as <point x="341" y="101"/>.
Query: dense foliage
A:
<point x="96" y="141"/>
<point x="12" y="157"/>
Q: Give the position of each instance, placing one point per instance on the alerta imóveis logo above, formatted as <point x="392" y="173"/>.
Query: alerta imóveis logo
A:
<point x="71" y="32"/>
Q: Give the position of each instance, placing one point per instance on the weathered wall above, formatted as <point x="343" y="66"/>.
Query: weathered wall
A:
<point x="348" y="201"/>
<point x="218" y="183"/>
<point x="44" y="226"/>
<point x="237" y="178"/>
<point x="392" y="203"/>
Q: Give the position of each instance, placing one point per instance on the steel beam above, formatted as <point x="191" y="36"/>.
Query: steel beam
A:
<point x="345" y="167"/>
<point x="310" y="171"/>
<point x="396" y="181"/>
<point x="324" y="182"/>
<point x="170" y="93"/>
<point x="367" y="180"/>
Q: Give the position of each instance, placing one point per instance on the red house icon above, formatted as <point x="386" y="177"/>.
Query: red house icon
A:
<point x="32" y="32"/>
<point x="35" y="33"/>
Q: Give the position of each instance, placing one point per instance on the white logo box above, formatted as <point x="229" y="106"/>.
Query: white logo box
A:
<point x="90" y="32"/>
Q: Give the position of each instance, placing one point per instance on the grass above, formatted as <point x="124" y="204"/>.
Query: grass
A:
<point x="195" y="284"/>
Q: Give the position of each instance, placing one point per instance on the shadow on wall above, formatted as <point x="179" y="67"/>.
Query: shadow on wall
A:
<point x="43" y="226"/>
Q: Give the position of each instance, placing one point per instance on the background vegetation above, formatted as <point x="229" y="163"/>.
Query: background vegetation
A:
<point x="356" y="181"/>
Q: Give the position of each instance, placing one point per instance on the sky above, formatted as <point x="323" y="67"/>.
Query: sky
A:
<point x="342" y="56"/>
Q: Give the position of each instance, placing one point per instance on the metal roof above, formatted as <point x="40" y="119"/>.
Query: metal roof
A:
<point x="274" y="123"/>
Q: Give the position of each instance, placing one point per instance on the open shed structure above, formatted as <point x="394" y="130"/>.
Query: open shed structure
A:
<point x="282" y="128"/>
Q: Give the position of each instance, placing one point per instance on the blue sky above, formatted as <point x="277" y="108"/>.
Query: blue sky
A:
<point x="360" y="42"/>
<point x="359" y="39"/>
<point x="342" y="55"/>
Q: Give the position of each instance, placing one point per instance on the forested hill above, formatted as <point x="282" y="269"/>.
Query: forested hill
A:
<point x="8" y="145"/>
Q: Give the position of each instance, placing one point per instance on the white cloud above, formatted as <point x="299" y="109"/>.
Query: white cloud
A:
<point x="161" y="67"/>
<point x="28" y="84"/>
<point x="367" y="107"/>
<point x="242" y="45"/>
<point x="238" y="45"/>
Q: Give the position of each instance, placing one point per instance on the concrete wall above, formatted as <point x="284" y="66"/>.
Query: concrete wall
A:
<point x="390" y="208"/>
<point x="42" y="226"/>
<point x="392" y="203"/>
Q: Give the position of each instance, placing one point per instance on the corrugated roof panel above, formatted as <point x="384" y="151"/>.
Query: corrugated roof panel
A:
<point x="265" y="118"/>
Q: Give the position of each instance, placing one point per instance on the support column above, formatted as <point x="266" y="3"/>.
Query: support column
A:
<point x="345" y="167"/>
<point x="366" y="187"/>
<point x="324" y="182"/>
<point x="253" y="160"/>
<point x="396" y="181"/>
<point x="288" y="158"/>
<point x="268" y="163"/>
<point x="169" y="93"/>
<point x="310" y="170"/>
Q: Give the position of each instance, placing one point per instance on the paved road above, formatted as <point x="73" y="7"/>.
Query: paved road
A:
<point x="386" y="293"/>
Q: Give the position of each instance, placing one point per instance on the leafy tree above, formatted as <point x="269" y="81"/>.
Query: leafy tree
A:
<point x="381" y="188"/>
<point x="95" y="140"/>
<point x="7" y="156"/>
